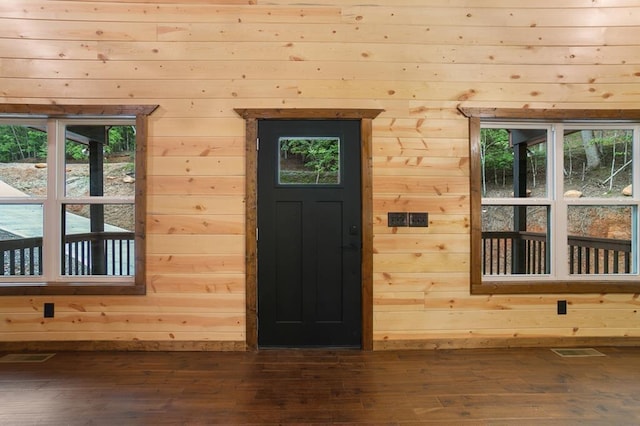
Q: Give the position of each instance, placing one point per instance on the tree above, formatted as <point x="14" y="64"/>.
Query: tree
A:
<point x="122" y="139"/>
<point x="21" y="142"/>
<point x="590" y="149"/>
<point x="495" y="153"/>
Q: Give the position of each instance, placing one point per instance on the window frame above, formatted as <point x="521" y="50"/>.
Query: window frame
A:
<point x="92" y="285"/>
<point x="529" y="284"/>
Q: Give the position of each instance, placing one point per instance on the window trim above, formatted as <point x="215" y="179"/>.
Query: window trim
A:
<point x="477" y="284"/>
<point x="91" y="287"/>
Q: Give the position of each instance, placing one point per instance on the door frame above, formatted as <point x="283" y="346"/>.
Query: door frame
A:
<point x="251" y="117"/>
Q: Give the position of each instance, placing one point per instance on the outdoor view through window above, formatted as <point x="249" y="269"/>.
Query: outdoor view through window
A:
<point x="66" y="199"/>
<point x="558" y="200"/>
<point x="309" y="161"/>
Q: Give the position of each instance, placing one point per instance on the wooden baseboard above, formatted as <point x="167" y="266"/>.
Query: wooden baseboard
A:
<point x="136" y="345"/>
<point x="429" y="344"/>
<point x="514" y="342"/>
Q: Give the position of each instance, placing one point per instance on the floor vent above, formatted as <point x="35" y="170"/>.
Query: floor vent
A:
<point x="25" y="357"/>
<point x="577" y="352"/>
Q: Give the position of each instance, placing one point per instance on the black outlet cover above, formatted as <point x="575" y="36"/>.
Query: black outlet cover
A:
<point x="562" y="307"/>
<point x="419" y="219"/>
<point x="48" y="310"/>
<point x="397" y="219"/>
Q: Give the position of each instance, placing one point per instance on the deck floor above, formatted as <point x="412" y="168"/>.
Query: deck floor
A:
<point x="485" y="386"/>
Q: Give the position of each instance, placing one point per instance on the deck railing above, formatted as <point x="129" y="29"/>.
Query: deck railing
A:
<point x="506" y="253"/>
<point x="115" y="254"/>
<point x="22" y="256"/>
<point x="587" y="255"/>
<point x="99" y="253"/>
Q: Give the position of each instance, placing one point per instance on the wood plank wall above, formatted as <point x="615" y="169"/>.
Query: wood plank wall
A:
<point x="416" y="59"/>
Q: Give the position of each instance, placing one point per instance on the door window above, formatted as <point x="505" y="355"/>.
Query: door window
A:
<point x="309" y="161"/>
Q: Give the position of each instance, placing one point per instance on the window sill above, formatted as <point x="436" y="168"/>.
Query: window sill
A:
<point x="72" y="288"/>
<point x="555" y="287"/>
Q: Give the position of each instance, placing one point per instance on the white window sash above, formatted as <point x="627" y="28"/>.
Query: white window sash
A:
<point x="558" y="249"/>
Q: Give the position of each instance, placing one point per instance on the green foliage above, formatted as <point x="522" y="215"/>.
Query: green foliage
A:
<point x="612" y="148"/>
<point x="615" y="139"/>
<point x="121" y="139"/>
<point x="75" y="151"/>
<point x="321" y="156"/>
<point x="20" y="143"/>
<point x="495" y="150"/>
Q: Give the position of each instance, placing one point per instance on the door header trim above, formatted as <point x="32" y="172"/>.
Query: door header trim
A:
<point x="307" y="113"/>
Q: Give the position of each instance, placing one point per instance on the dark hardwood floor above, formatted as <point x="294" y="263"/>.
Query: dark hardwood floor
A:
<point x="488" y="386"/>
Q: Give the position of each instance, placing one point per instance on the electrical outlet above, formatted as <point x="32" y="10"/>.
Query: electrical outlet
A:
<point x="418" y="219"/>
<point x="562" y="307"/>
<point x="397" y="219"/>
<point x="49" y="310"/>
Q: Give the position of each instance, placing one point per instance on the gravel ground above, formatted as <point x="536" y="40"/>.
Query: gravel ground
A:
<point x="31" y="180"/>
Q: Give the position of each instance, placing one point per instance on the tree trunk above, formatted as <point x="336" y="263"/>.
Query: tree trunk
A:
<point x="590" y="149"/>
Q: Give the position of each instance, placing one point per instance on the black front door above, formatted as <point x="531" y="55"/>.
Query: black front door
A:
<point x="309" y="233"/>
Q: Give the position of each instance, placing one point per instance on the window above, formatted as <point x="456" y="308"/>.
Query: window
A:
<point x="555" y="202"/>
<point x="309" y="161"/>
<point x="72" y="201"/>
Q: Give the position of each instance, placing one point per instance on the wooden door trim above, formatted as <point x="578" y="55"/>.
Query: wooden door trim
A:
<point x="251" y="117"/>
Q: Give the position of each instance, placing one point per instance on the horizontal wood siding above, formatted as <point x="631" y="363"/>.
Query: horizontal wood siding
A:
<point x="418" y="60"/>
